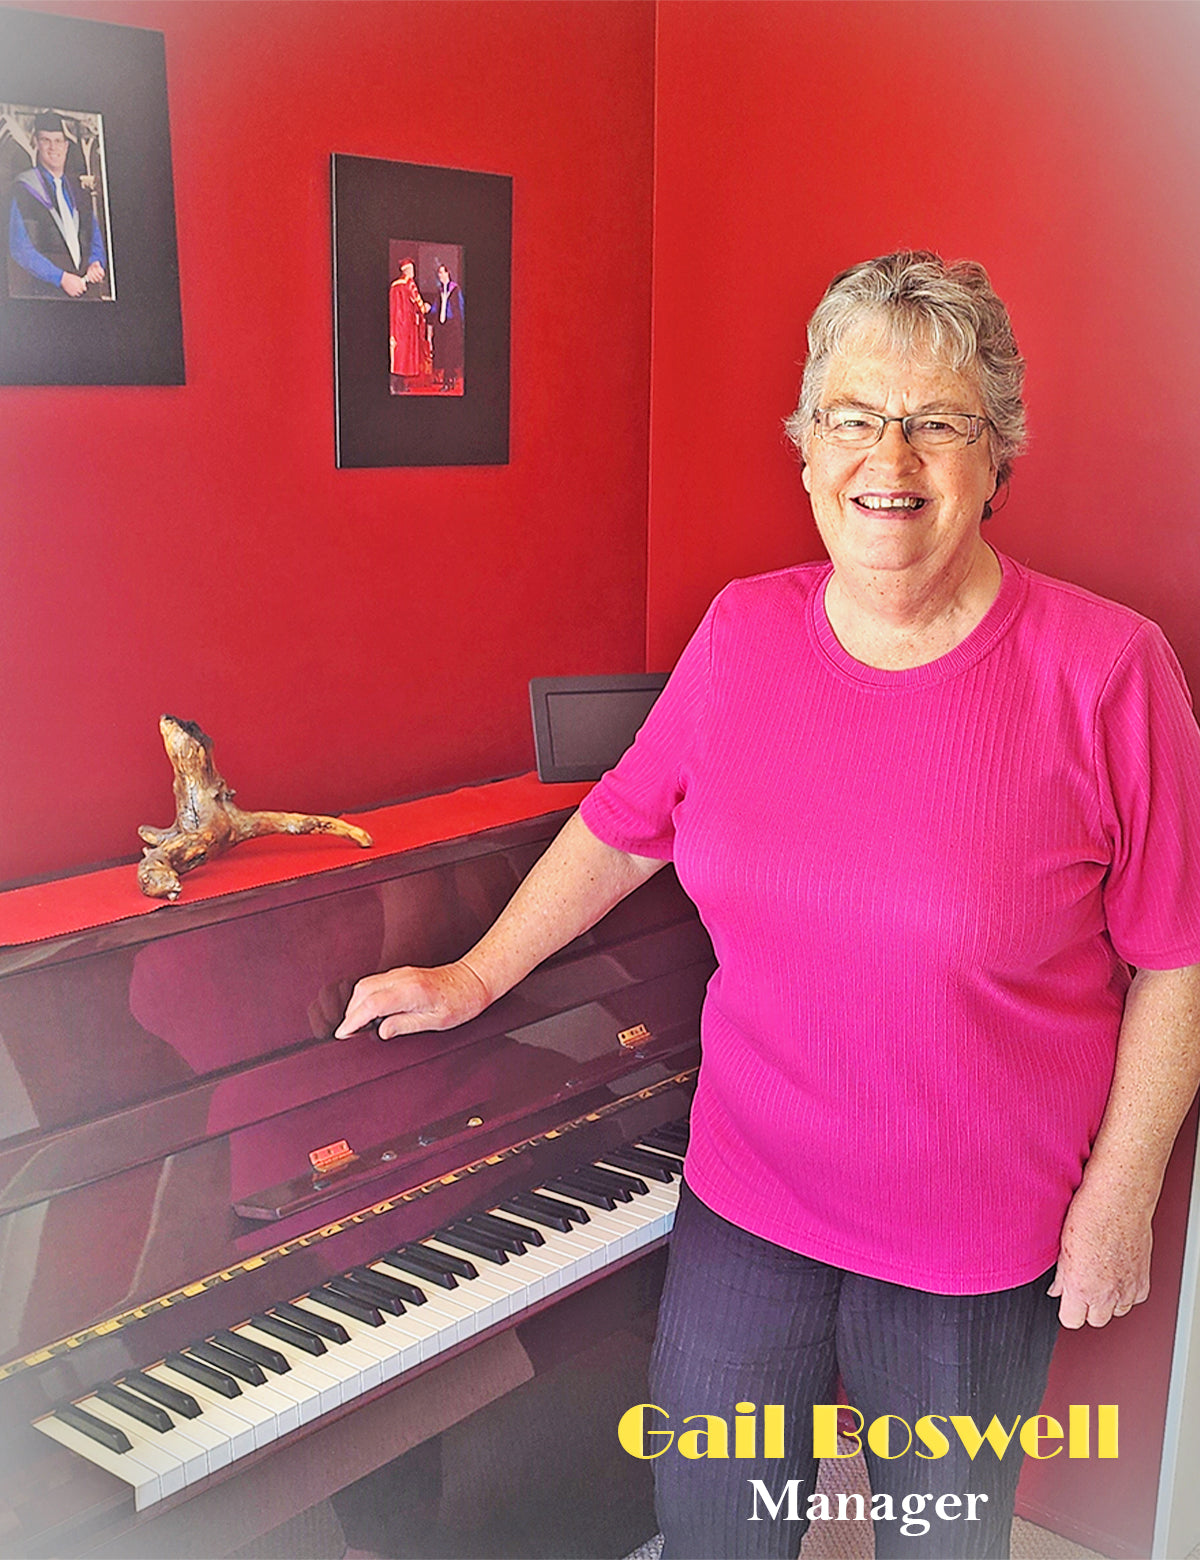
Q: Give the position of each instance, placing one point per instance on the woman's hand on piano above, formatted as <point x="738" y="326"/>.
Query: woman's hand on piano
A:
<point x="407" y="1000"/>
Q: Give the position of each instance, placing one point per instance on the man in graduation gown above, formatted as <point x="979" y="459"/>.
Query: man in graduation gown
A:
<point x="447" y="318"/>
<point x="53" y="236"/>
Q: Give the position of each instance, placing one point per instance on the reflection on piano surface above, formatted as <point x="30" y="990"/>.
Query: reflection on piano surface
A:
<point x="190" y="1307"/>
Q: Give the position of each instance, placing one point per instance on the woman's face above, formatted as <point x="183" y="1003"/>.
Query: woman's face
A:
<point x="889" y="507"/>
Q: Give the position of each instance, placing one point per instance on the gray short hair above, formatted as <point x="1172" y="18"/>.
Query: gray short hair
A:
<point x="950" y="312"/>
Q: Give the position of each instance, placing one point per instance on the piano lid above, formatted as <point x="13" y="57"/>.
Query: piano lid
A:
<point x="164" y="1083"/>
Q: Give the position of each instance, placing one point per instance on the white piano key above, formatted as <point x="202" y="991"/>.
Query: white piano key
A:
<point x="593" y="1246"/>
<point x="662" y="1198"/>
<point x="257" y="1417"/>
<point x="567" y="1259"/>
<point x="394" y="1346"/>
<point x="490" y="1280"/>
<point x="485" y="1304"/>
<point x="629" y="1230"/>
<point x="648" y="1181"/>
<point x="366" y="1362"/>
<point x="368" y="1351"/>
<point x="434" y="1327"/>
<point x="167" y="1465"/>
<point x="618" y="1227"/>
<point x="234" y="1432"/>
<point x="540" y="1275"/>
<point x="217" y="1446"/>
<point x="408" y="1344"/>
<point x="182" y="1460"/>
<point x="144" y="1480"/>
<point x="302" y="1393"/>
<point x="284" y="1408"/>
<point x="515" y="1277"/>
<point x="575" y="1252"/>
<point x="332" y="1380"/>
<point x="453" y="1315"/>
<point x="656" y="1213"/>
<point x="634" y="1224"/>
<point x="674" y="1157"/>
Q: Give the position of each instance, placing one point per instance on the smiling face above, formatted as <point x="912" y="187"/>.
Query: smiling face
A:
<point x="51" y="148"/>
<point x="889" y="507"/>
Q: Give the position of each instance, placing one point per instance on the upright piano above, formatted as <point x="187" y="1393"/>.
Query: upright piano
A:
<point x="243" y="1264"/>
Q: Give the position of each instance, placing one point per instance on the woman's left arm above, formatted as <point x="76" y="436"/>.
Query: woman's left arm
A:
<point x="1104" y="1254"/>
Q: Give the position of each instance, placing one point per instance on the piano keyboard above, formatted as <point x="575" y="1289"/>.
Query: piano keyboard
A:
<point x="199" y="1410"/>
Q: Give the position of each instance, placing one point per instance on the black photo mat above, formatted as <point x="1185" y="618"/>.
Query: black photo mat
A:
<point x="375" y="203"/>
<point x="118" y="73"/>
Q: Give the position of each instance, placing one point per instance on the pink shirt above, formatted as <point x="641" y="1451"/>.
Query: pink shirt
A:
<point x="924" y="888"/>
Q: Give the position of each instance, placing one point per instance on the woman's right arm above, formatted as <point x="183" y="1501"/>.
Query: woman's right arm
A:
<point x="576" y="882"/>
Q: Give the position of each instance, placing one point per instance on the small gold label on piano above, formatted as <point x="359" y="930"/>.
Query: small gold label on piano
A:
<point x="332" y="1157"/>
<point x="632" y="1038"/>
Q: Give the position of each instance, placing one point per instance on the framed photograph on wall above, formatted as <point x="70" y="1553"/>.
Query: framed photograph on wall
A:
<point x="422" y="268"/>
<point x="89" y="289"/>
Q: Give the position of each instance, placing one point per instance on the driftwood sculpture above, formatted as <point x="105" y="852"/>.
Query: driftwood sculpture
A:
<point x="206" y="820"/>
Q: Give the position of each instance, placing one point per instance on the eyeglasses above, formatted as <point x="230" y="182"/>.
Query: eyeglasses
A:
<point x="854" y="429"/>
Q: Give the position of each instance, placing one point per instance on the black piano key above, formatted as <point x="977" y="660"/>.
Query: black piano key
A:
<point x="546" y="1210"/>
<point x="601" y="1181"/>
<point x="470" y="1240"/>
<point x="232" y="1364"/>
<point x="367" y="1294"/>
<point x="87" y="1424"/>
<point x="499" y="1226"/>
<point x="215" y="1380"/>
<point x="311" y="1322"/>
<point x="399" y="1287"/>
<point x="420" y="1267"/>
<point x="672" y="1157"/>
<point x="672" y="1136"/>
<point x="270" y="1359"/>
<point x="360" y="1310"/>
<point x="444" y="1260"/>
<point x="642" y="1162"/>
<point x="182" y="1403"/>
<point x="574" y="1188"/>
<point x="512" y="1243"/>
<point x="287" y="1332"/>
<point x="559" y="1201"/>
<point x="136" y="1407"/>
<point x="633" y="1184"/>
<point x="589" y="1176"/>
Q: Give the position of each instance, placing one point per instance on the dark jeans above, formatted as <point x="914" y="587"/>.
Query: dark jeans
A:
<point x="743" y="1320"/>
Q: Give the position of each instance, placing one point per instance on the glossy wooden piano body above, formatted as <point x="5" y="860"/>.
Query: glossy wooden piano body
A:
<point x="164" y="1081"/>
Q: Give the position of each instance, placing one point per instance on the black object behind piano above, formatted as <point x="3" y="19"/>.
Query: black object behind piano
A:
<point x="582" y="725"/>
<point x="164" y="1081"/>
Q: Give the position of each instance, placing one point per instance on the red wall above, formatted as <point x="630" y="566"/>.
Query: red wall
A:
<point x="1060" y="145"/>
<point x="347" y="637"/>
<point x="1057" y="143"/>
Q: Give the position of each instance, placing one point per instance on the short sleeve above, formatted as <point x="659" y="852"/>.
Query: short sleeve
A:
<point x="633" y="806"/>
<point x="1148" y="765"/>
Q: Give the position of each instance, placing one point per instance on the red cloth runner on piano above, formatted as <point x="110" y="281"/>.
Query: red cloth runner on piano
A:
<point x="74" y="904"/>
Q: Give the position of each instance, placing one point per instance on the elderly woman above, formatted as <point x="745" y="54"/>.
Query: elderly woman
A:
<point x="934" y="809"/>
